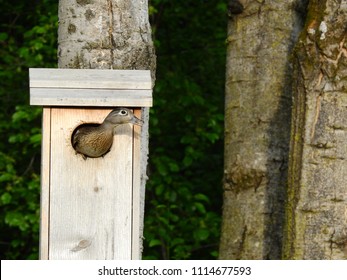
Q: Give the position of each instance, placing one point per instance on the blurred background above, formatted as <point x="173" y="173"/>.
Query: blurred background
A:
<point x="184" y="190"/>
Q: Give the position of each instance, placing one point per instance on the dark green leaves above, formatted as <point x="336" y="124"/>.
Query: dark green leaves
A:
<point x="184" y="192"/>
<point x="27" y="39"/>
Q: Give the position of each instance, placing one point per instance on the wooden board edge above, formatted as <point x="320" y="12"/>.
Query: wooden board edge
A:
<point x="45" y="184"/>
<point x="90" y="98"/>
<point x="90" y="78"/>
<point x="136" y="244"/>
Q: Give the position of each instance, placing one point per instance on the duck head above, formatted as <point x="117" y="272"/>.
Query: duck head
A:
<point x="120" y="116"/>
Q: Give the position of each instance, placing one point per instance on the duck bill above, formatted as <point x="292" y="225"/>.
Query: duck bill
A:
<point x="136" y="121"/>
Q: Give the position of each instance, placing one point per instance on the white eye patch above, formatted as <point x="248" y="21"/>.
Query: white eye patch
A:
<point x="123" y="112"/>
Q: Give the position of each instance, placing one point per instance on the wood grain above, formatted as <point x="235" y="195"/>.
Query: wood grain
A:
<point x="45" y="183"/>
<point x="90" y="87"/>
<point x="90" y="200"/>
<point x="90" y="78"/>
<point x="136" y="230"/>
<point x="90" y="97"/>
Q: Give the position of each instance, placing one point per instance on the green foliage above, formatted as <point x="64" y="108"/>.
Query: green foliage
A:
<point x="184" y="194"/>
<point x="27" y="39"/>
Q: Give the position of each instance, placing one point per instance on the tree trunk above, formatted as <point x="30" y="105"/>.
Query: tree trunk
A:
<point x="108" y="34"/>
<point x="257" y="126"/>
<point x="316" y="226"/>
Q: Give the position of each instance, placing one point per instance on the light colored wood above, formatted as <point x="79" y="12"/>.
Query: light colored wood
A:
<point x="136" y="231"/>
<point x="45" y="183"/>
<point x="90" y="97"/>
<point x="90" y="209"/>
<point x="90" y="78"/>
<point x="90" y="200"/>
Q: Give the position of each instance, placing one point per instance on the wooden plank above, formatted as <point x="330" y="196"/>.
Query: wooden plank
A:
<point x="90" y="200"/>
<point x="45" y="182"/>
<point x="90" y="78"/>
<point x="90" y="97"/>
<point x="136" y="228"/>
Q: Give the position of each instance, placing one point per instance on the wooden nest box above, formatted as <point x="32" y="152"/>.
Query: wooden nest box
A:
<point x="90" y="209"/>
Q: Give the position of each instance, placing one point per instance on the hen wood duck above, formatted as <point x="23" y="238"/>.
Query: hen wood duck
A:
<point x="95" y="140"/>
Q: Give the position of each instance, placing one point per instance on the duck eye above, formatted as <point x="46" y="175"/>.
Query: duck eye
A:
<point x="123" y="112"/>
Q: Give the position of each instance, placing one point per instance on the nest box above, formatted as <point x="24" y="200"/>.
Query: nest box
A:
<point x="90" y="209"/>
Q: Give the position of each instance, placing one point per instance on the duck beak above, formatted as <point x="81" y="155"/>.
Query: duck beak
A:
<point x="136" y="121"/>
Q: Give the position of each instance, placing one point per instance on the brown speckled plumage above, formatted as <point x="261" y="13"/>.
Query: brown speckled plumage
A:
<point x="96" y="140"/>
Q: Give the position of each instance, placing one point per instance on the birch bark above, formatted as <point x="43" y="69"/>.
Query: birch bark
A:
<point x="316" y="226"/>
<point x="257" y="127"/>
<point x="108" y="34"/>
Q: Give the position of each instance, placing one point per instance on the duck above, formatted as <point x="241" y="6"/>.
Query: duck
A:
<point x="95" y="140"/>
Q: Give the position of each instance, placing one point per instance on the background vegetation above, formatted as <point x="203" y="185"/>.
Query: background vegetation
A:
<point x="184" y="193"/>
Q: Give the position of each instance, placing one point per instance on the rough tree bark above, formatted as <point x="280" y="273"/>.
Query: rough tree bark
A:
<point x="316" y="226"/>
<point x="257" y="127"/>
<point x="108" y="34"/>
